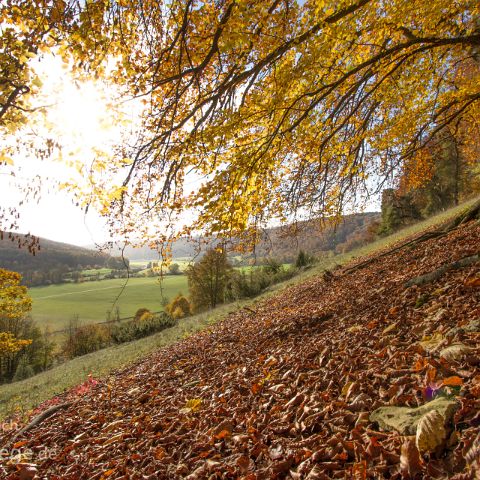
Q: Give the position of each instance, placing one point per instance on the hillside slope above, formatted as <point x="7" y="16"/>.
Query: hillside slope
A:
<point x="49" y="256"/>
<point x="287" y="391"/>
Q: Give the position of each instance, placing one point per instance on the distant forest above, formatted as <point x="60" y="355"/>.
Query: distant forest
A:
<point x="52" y="261"/>
<point x="284" y="242"/>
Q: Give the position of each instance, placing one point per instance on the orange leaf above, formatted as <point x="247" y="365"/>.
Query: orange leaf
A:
<point x="20" y="444"/>
<point x="359" y="470"/>
<point x="107" y="473"/>
<point x="452" y="381"/>
<point x="222" y="434"/>
<point x="394" y="310"/>
<point x="430" y="375"/>
<point x="256" y="388"/>
<point x="420" y="364"/>
<point x="341" y="456"/>
<point x="473" y="282"/>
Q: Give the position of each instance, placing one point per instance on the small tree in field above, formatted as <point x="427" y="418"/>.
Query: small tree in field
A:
<point x="174" y="269"/>
<point x="208" y="279"/>
<point x="304" y="259"/>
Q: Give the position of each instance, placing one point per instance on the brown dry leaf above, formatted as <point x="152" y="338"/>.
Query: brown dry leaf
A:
<point x="243" y="463"/>
<point x="410" y="460"/>
<point x="473" y="454"/>
<point x="114" y="439"/>
<point x="431" y="432"/>
<point x="27" y="471"/>
<point x="316" y="474"/>
<point x="455" y="351"/>
<point x="223" y="430"/>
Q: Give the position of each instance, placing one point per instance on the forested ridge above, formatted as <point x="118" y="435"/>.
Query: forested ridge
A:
<point x="295" y="387"/>
<point x="51" y="259"/>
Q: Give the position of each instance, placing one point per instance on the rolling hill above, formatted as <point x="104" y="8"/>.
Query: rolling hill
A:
<point x="282" y="242"/>
<point x="51" y="257"/>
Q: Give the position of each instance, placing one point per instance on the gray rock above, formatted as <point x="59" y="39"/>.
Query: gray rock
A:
<point x="455" y="331"/>
<point x="404" y="420"/>
<point x="472" y="326"/>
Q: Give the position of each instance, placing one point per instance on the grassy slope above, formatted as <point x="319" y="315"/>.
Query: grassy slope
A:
<point x="25" y="394"/>
<point x="55" y="305"/>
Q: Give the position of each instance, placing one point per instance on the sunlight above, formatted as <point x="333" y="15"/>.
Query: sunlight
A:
<point x="81" y="116"/>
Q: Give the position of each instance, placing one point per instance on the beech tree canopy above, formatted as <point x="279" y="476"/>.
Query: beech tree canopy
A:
<point x="271" y="109"/>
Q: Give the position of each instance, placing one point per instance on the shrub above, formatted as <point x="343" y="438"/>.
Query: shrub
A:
<point x="24" y="370"/>
<point x="179" y="307"/>
<point x="145" y="317"/>
<point x="87" y="339"/>
<point x="177" y="313"/>
<point x="249" y="285"/>
<point x="140" y="312"/>
<point x="135" y="329"/>
<point x="174" y="269"/>
<point x="245" y="286"/>
<point x="272" y="266"/>
<point x="304" y="259"/>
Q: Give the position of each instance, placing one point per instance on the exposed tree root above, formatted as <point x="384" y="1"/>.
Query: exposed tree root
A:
<point x="436" y="274"/>
<point x="40" y="418"/>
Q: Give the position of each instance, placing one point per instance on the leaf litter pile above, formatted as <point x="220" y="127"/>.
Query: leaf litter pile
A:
<point x="368" y="372"/>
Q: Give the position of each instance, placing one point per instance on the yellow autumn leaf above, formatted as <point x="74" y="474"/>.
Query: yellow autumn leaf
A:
<point x="5" y="159"/>
<point x="431" y="432"/>
<point x="192" y="405"/>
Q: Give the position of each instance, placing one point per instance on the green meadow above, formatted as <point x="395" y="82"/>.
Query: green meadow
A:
<point x="55" y="305"/>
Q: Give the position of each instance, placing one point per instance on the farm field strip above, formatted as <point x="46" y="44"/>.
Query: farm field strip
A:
<point x="76" y="293"/>
<point x="55" y="305"/>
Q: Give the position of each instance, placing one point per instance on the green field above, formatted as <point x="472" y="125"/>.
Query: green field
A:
<point x="55" y="305"/>
<point x="95" y="271"/>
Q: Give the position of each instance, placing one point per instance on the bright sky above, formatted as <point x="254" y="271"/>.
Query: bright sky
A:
<point x="81" y="119"/>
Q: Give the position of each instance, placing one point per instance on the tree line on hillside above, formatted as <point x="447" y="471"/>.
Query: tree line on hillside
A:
<point x="53" y="262"/>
